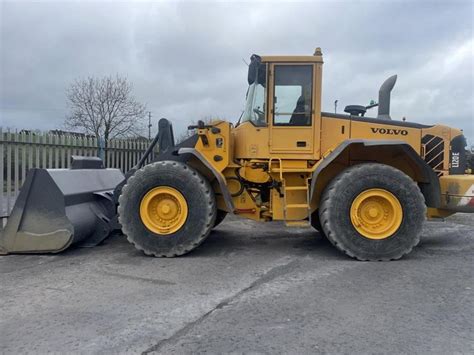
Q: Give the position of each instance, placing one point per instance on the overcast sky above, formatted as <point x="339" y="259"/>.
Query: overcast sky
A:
<point x="185" y="59"/>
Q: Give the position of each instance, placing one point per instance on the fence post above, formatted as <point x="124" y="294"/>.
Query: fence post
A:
<point x="101" y="144"/>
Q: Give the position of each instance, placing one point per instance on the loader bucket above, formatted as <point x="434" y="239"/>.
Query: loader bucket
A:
<point x="57" y="208"/>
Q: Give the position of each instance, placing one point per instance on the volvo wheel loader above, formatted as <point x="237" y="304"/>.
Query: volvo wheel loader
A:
<point x="366" y="184"/>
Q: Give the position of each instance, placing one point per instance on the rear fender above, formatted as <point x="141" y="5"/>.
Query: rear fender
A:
<point x="427" y="179"/>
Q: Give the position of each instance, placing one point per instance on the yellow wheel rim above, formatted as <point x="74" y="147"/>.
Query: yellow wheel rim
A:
<point x="163" y="210"/>
<point x="376" y="214"/>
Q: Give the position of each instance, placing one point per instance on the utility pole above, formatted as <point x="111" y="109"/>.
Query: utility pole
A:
<point x="149" y="125"/>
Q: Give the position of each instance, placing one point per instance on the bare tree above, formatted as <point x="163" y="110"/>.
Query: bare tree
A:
<point x="104" y="107"/>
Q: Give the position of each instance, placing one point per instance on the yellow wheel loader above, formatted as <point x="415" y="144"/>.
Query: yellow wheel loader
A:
<point x="366" y="184"/>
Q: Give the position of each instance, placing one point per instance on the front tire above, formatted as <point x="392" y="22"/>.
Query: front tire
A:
<point x="373" y="212"/>
<point x="167" y="209"/>
<point x="220" y="216"/>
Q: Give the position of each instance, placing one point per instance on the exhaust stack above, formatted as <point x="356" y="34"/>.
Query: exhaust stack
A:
<point x="384" y="98"/>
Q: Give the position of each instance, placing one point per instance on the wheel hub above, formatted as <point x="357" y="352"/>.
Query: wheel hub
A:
<point x="163" y="210"/>
<point x="376" y="214"/>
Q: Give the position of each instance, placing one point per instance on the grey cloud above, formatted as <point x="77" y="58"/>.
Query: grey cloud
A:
<point x="185" y="58"/>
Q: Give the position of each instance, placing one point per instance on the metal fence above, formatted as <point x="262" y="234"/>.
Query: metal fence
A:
<point x="21" y="151"/>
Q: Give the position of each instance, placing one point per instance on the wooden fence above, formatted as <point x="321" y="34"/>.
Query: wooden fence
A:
<point x="21" y="151"/>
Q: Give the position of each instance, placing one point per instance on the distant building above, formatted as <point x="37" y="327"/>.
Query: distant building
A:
<point x="59" y="132"/>
<point x="30" y="132"/>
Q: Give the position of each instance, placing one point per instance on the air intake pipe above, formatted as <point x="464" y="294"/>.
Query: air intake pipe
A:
<point x="384" y="98"/>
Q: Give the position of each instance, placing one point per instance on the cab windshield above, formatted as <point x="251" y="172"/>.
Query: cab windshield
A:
<point x="255" y="105"/>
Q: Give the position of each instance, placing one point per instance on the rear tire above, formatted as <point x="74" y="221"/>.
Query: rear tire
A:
<point x="383" y="226"/>
<point x="199" y="209"/>
<point x="316" y="222"/>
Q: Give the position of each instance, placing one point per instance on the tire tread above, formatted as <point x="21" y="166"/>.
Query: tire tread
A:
<point x="211" y="206"/>
<point x="342" y="180"/>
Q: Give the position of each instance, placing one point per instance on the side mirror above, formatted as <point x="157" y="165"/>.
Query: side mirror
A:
<point x="253" y="68"/>
<point x="257" y="71"/>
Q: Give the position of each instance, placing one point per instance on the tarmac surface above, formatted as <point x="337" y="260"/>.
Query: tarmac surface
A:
<point x="249" y="288"/>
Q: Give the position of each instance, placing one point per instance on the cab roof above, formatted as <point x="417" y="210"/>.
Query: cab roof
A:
<point x="317" y="57"/>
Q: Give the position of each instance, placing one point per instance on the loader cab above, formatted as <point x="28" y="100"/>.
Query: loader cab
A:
<point x="282" y="114"/>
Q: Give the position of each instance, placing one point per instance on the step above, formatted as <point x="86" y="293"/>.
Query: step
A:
<point x="298" y="224"/>
<point x="297" y="205"/>
<point x="292" y="170"/>
<point x="296" y="188"/>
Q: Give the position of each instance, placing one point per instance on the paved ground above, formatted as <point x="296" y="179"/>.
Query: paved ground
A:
<point x="247" y="289"/>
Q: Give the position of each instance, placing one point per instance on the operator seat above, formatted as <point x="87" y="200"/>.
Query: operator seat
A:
<point x="297" y="118"/>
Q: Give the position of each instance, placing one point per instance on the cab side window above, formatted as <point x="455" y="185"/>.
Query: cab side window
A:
<point x="293" y="95"/>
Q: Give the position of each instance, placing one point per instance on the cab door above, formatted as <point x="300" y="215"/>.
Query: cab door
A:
<point x="291" y="103"/>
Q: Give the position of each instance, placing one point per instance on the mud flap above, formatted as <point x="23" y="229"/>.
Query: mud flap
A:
<point x="57" y="208"/>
